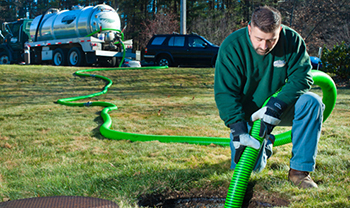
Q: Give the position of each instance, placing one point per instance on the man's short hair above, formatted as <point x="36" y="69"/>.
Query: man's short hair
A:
<point x="267" y="19"/>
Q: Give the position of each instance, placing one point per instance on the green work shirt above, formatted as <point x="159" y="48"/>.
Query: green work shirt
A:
<point x="244" y="79"/>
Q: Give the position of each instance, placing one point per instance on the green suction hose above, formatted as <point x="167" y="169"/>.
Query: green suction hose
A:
<point x="122" y="60"/>
<point x="245" y="166"/>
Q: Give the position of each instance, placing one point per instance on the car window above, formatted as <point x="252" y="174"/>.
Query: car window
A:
<point x="158" y="41"/>
<point x="177" y="41"/>
<point x="196" y="42"/>
<point x="208" y="42"/>
<point x="27" y="26"/>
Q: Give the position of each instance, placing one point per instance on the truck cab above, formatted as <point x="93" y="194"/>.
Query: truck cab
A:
<point x="14" y="38"/>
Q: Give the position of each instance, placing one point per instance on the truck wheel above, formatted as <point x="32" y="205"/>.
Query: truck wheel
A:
<point x="108" y="62"/>
<point x="76" y="57"/>
<point x="4" y="58"/>
<point x="164" y="61"/>
<point x="113" y="61"/>
<point x="59" y="57"/>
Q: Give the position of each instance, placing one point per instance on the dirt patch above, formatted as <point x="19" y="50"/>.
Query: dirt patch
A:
<point x="209" y="198"/>
<point x="265" y="199"/>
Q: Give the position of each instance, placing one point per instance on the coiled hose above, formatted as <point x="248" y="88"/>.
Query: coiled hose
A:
<point x="244" y="167"/>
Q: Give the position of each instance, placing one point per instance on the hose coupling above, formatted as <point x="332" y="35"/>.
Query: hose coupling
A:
<point x="88" y="103"/>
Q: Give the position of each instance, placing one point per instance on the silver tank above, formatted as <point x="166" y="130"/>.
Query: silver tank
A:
<point x="78" y="22"/>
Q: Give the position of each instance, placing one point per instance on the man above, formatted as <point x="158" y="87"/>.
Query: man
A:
<point x="255" y="62"/>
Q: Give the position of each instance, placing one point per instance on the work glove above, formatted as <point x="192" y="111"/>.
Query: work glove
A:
<point x="241" y="139"/>
<point x="269" y="115"/>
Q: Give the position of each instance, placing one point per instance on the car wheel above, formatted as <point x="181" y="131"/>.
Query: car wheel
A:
<point x="164" y="61"/>
<point x="4" y="58"/>
<point x="59" y="57"/>
<point x="76" y="57"/>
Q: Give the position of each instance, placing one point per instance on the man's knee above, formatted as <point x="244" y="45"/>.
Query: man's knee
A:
<point x="311" y="99"/>
<point x="310" y="103"/>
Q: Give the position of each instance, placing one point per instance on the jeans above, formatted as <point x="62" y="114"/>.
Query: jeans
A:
<point x="305" y="117"/>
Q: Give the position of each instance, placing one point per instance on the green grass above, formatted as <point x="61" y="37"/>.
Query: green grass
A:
<point x="47" y="149"/>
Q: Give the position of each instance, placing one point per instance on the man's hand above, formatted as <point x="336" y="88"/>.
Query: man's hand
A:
<point x="241" y="139"/>
<point x="269" y="115"/>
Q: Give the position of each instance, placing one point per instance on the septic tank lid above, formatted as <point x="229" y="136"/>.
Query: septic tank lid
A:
<point x="60" y="202"/>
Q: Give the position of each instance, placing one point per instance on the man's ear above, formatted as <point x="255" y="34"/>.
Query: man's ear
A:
<point x="249" y="29"/>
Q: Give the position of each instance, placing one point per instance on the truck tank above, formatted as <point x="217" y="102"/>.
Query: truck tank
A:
<point x="78" y="22"/>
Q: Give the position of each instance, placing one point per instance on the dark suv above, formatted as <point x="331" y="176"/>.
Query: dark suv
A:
<point x="176" y="49"/>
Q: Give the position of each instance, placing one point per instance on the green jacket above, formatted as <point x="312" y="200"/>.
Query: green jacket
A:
<point x="244" y="79"/>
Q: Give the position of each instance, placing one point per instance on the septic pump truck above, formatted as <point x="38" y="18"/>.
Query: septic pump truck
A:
<point x="77" y="37"/>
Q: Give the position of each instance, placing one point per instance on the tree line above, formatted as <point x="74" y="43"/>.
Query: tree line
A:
<point x="320" y="22"/>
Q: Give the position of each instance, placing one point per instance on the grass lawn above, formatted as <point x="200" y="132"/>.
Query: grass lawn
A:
<point x="47" y="149"/>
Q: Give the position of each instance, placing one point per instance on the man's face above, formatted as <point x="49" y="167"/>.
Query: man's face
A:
<point x="263" y="42"/>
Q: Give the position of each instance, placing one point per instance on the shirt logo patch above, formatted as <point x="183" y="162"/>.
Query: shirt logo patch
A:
<point x="279" y="63"/>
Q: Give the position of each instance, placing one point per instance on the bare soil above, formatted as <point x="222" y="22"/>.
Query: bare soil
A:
<point x="209" y="198"/>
